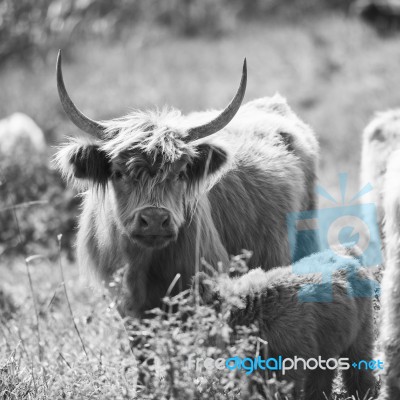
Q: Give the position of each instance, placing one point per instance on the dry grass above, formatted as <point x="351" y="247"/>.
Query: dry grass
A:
<point x="57" y="367"/>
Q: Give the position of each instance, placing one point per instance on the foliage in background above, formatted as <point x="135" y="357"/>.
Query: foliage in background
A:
<point x="28" y="27"/>
<point x="26" y="177"/>
<point x="7" y="306"/>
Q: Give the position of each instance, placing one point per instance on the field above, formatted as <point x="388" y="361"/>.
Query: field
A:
<point x="334" y="71"/>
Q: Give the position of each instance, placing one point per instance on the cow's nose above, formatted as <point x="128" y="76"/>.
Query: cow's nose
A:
<point x="153" y="221"/>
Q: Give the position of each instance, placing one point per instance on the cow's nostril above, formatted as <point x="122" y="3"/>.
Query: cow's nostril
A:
<point x="165" y="222"/>
<point x="143" y="221"/>
<point x="150" y="221"/>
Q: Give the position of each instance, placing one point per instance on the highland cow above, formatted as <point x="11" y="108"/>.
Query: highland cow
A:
<point x="164" y="190"/>
<point x="333" y="320"/>
<point x="390" y="290"/>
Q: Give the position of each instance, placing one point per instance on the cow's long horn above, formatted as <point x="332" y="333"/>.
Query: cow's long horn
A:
<point x="79" y="119"/>
<point x="225" y="117"/>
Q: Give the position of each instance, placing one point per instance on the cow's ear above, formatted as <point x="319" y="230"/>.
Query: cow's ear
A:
<point x="90" y="162"/>
<point x="84" y="161"/>
<point x="208" y="160"/>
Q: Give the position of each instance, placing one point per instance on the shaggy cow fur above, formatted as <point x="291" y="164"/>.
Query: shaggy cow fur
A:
<point x="227" y="192"/>
<point x="330" y="329"/>
<point x="380" y="138"/>
<point x="390" y="289"/>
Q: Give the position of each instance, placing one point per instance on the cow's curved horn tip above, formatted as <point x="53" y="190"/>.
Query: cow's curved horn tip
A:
<point x="244" y="64"/>
<point x="59" y="58"/>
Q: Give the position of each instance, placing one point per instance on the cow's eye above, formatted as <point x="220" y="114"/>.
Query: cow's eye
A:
<point x="117" y="175"/>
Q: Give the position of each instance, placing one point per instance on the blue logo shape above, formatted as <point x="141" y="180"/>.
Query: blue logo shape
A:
<point x="348" y="235"/>
<point x="344" y="226"/>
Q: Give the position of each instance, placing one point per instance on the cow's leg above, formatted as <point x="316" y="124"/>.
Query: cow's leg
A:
<point x="318" y="384"/>
<point x="360" y="382"/>
<point x="389" y="392"/>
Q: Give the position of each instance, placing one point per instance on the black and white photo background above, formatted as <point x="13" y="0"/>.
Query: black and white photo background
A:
<point x="199" y="199"/>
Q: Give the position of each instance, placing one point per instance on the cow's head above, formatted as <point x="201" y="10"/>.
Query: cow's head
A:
<point x="148" y="162"/>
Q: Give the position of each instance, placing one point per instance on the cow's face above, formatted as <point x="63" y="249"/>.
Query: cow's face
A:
<point x="150" y="196"/>
<point x="149" y="162"/>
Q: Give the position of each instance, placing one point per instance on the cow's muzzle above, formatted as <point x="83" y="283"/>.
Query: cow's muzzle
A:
<point x="153" y="227"/>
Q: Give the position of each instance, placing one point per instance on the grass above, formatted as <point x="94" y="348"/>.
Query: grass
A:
<point x="47" y="354"/>
<point x="57" y="366"/>
<point x="335" y="73"/>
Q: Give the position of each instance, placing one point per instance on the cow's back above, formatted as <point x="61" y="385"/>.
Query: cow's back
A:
<point x="272" y="173"/>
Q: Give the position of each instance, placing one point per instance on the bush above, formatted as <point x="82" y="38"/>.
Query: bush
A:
<point x="165" y="341"/>
<point x="164" y="344"/>
<point x="28" y="27"/>
<point x="26" y="178"/>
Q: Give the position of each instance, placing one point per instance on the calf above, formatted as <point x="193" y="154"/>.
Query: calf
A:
<point x="334" y="319"/>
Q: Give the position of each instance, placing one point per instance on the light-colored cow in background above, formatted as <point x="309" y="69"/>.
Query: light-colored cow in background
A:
<point x="390" y="299"/>
<point x="17" y="129"/>
<point x="380" y="138"/>
<point x="381" y="167"/>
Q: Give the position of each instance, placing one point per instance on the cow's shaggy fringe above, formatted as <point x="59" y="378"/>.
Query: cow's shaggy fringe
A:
<point x="390" y="298"/>
<point x="317" y="327"/>
<point x="154" y="132"/>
